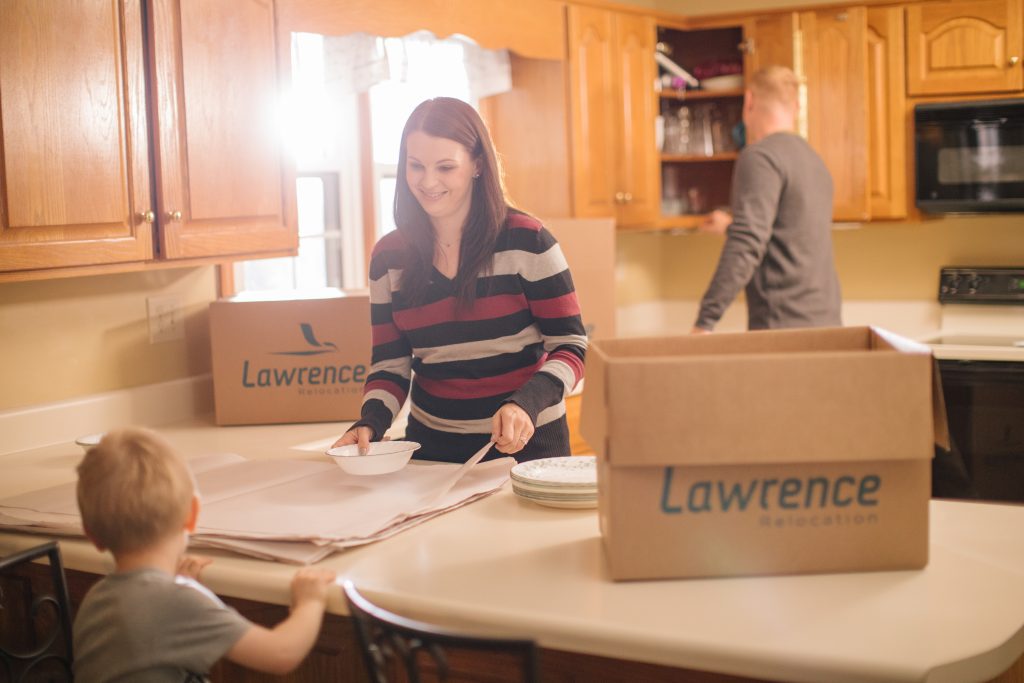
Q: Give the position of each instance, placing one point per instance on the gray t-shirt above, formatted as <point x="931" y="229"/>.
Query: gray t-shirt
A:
<point x="779" y="245"/>
<point x="148" y="625"/>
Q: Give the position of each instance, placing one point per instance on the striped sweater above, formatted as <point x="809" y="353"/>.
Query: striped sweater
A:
<point x="521" y="341"/>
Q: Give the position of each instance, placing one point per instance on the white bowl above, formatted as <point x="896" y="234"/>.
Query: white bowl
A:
<point x="383" y="457"/>
<point x="729" y="82"/>
<point x="87" y="442"/>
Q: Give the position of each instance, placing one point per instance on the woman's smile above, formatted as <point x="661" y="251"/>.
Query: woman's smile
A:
<point x="440" y="172"/>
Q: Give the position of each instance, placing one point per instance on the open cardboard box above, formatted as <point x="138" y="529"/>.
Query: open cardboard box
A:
<point x="287" y="357"/>
<point x="769" y="452"/>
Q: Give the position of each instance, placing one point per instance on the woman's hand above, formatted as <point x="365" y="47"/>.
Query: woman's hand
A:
<point x="511" y="428"/>
<point x="359" y="435"/>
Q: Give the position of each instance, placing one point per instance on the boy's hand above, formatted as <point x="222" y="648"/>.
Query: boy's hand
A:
<point x="311" y="584"/>
<point x="192" y="565"/>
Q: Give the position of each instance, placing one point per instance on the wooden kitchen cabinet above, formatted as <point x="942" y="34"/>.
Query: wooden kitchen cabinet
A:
<point x="887" y="114"/>
<point x="835" y="64"/>
<point x="114" y="156"/>
<point x="612" y="108"/>
<point x="74" y="153"/>
<point x="220" y="163"/>
<point x="770" y="40"/>
<point x="965" y="46"/>
<point x="699" y="152"/>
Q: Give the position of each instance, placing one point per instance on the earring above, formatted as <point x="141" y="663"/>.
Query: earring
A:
<point x="476" y="175"/>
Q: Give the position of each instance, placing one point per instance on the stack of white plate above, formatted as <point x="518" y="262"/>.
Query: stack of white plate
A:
<point x="558" y="482"/>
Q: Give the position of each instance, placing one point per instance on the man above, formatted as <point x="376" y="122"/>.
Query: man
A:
<point x="778" y="239"/>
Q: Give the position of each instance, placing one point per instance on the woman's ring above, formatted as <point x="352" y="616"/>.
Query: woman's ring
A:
<point x="522" y="439"/>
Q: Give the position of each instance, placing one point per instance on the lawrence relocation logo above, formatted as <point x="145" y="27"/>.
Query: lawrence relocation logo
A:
<point x="323" y="378"/>
<point x="808" y="501"/>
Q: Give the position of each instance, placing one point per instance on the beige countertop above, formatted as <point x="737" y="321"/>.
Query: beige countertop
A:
<point x="503" y="565"/>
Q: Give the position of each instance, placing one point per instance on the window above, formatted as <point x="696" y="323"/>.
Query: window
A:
<point x="432" y="69"/>
<point x="331" y="143"/>
<point x="319" y="261"/>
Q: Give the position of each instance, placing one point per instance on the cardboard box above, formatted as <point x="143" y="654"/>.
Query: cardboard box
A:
<point x="589" y="247"/>
<point x="774" y="452"/>
<point x="278" y="358"/>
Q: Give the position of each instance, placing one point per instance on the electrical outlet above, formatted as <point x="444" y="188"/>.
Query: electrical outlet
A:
<point x="166" y="319"/>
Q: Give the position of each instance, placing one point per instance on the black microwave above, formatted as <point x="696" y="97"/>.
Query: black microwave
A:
<point x="969" y="156"/>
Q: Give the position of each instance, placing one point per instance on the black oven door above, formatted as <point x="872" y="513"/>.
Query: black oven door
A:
<point x="985" y="409"/>
<point x="970" y="156"/>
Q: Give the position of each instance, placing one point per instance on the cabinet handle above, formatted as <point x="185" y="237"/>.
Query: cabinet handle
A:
<point x="842" y="16"/>
<point x="627" y="198"/>
<point x="149" y="216"/>
<point x="1014" y="60"/>
<point x="620" y="197"/>
<point x="174" y="215"/>
<point x="746" y="46"/>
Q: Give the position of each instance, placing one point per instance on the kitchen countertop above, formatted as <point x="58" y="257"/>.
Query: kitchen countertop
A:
<point x="504" y="565"/>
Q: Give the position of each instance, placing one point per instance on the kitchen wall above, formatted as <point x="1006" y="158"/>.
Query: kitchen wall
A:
<point x="73" y="337"/>
<point x="876" y="261"/>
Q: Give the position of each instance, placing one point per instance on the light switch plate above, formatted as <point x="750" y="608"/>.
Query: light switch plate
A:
<point x="166" y="318"/>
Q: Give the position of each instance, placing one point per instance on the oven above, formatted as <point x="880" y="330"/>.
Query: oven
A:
<point x="980" y="353"/>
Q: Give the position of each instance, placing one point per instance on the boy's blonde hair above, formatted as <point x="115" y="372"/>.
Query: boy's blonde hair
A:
<point x="776" y="85"/>
<point x="133" y="490"/>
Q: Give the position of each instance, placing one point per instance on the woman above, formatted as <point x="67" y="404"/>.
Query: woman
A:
<point x="472" y="304"/>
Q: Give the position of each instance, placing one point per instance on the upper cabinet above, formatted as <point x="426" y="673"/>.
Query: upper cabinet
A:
<point x="835" y="65"/>
<point x="699" y="148"/>
<point x="112" y="155"/>
<point x="222" y="185"/>
<point x="887" y="114"/>
<point x="769" y="40"/>
<point x="851" y="64"/>
<point x="74" y="154"/>
<point x="611" y="72"/>
<point x="965" y="46"/>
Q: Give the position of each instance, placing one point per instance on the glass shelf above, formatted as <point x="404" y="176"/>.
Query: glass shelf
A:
<point x="690" y="158"/>
<point x="700" y="94"/>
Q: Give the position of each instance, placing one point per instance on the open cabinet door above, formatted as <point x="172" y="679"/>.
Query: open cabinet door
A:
<point x="835" y="64"/>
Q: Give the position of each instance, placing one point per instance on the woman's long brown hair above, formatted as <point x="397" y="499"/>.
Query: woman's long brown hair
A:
<point x="446" y="117"/>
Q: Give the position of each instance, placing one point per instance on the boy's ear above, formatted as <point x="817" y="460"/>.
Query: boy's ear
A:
<point x="193" y="515"/>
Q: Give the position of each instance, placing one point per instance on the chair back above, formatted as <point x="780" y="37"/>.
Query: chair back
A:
<point x="393" y="645"/>
<point x="35" y="636"/>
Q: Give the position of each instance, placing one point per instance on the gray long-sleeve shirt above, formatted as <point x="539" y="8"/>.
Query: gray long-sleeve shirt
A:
<point x="779" y="245"/>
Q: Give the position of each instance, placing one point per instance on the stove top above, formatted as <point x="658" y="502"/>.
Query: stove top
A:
<point x="977" y="340"/>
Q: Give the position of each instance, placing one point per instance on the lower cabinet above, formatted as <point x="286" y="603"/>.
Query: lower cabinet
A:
<point x="336" y="655"/>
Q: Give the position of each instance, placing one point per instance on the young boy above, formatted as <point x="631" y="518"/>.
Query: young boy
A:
<point x="138" y="500"/>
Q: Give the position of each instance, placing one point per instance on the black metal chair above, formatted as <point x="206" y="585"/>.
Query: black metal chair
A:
<point x="37" y="632"/>
<point x="392" y="643"/>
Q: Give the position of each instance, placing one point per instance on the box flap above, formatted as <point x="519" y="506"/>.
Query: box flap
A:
<point x="594" y="405"/>
<point x="762" y="397"/>
<point x="940" y="426"/>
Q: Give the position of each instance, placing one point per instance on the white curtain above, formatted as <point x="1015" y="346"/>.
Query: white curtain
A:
<point x="355" y="62"/>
